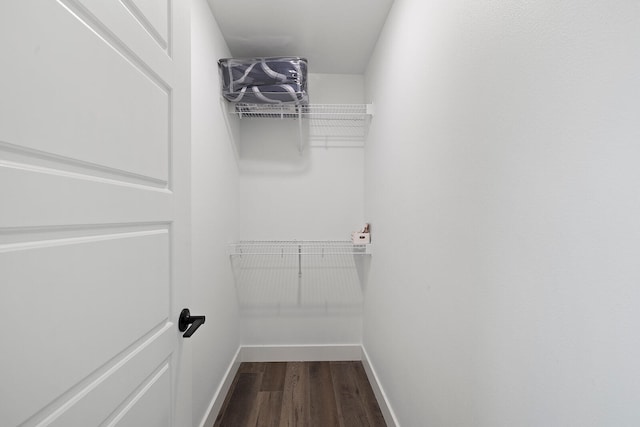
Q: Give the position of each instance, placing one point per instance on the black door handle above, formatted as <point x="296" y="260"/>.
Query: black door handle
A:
<point x="187" y="319"/>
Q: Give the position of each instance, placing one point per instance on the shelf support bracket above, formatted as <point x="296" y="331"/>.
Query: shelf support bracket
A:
<point x="300" y="135"/>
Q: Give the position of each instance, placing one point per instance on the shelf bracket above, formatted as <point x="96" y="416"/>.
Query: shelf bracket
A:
<point x="300" y="134"/>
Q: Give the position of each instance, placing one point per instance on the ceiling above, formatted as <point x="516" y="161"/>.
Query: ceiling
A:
<point x="336" y="36"/>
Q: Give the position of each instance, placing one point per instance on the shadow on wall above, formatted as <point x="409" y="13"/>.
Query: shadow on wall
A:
<point x="267" y="145"/>
<point x="281" y="144"/>
<point x="274" y="146"/>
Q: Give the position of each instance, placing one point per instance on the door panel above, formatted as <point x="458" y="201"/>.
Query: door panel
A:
<point x="94" y="183"/>
<point x="95" y="401"/>
<point x="89" y="298"/>
<point x="151" y="405"/>
<point x="63" y="96"/>
<point x="102" y="199"/>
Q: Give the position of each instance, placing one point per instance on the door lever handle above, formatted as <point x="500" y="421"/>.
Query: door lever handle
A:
<point x="187" y="319"/>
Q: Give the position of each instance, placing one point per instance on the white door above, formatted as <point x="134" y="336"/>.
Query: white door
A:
<point x="94" y="137"/>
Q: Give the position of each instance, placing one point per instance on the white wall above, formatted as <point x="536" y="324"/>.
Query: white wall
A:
<point x="214" y="215"/>
<point x="502" y="186"/>
<point x="316" y="195"/>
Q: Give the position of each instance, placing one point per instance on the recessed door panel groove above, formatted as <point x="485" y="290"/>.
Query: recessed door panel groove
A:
<point x="41" y="233"/>
<point x="160" y="35"/>
<point x="20" y="157"/>
<point x="129" y="369"/>
<point x="49" y="243"/>
<point x="149" y="405"/>
<point x="92" y="23"/>
<point x="79" y="176"/>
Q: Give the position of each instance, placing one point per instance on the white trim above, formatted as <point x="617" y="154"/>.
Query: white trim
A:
<point x="301" y="353"/>
<point x="381" y="397"/>
<point x="221" y="392"/>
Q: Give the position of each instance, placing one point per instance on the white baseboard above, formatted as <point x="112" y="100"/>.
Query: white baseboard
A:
<point x="221" y="392"/>
<point x="381" y="397"/>
<point x="301" y="353"/>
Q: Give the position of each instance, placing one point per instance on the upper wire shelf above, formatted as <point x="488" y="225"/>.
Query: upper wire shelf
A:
<point x="358" y="112"/>
<point x="297" y="247"/>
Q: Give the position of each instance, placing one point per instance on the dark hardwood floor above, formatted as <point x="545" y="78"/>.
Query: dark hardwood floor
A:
<point x="314" y="394"/>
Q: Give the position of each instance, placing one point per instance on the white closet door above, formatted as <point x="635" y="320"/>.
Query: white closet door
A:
<point x="94" y="151"/>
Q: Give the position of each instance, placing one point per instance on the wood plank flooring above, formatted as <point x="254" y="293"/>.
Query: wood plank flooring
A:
<point x="313" y="394"/>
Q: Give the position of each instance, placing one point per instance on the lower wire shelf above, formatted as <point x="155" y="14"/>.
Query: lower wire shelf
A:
<point x="309" y="274"/>
<point x="298" y="247"/>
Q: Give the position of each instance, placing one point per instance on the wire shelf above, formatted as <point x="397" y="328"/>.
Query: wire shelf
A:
<point x="301" y="274"/>
<point x="353" y="112"/>
<point x="327" y="123"/>
<point x="297" y="247"/>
